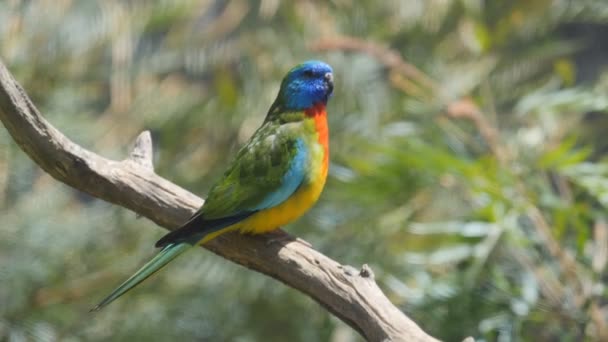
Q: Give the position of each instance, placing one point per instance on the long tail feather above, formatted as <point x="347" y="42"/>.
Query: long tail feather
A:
<point x="168" y="253"/>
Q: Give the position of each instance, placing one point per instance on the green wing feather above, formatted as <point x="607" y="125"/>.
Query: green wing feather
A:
<point x="257" y="171"/>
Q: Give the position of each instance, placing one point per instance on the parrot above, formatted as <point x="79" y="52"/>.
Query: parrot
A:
<point x="273" y="179"/>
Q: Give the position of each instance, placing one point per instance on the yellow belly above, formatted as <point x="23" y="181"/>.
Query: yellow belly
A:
<point x="288" y="211"/>
<point x="270" y="219"/>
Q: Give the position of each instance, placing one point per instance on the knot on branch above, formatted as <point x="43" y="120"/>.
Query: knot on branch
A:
<point x="366" y="272"/>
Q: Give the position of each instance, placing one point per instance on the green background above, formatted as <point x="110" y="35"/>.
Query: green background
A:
<point x="467" y="163"/>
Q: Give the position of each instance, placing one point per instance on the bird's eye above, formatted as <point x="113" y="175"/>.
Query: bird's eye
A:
<point x="309" y="73"/>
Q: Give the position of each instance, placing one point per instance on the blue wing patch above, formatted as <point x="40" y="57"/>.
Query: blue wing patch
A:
<point x="291" y="180"/>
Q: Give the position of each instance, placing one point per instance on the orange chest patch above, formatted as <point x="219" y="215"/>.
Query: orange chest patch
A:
<point x="319" y="114"/>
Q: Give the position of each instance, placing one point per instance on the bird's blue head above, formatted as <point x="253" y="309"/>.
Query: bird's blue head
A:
<point x="305" y="85"/>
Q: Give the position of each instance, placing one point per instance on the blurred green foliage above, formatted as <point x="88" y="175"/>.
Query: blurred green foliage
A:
<point x="468" y="166"/>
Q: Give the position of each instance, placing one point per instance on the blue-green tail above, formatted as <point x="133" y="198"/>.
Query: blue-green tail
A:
<point x="168" y="253"/>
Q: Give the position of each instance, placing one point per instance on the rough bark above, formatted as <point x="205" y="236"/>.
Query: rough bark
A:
<point x="351" y="295"/>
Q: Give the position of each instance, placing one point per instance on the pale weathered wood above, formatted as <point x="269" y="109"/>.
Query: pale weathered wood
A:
<point x="142" y="151"/>
<point x="351" y="295"/>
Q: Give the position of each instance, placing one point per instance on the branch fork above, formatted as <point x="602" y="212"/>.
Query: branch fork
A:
<point x="142" y="152"/>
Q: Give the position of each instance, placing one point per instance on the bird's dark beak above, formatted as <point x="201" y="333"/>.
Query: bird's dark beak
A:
<point x="329" y="80"/>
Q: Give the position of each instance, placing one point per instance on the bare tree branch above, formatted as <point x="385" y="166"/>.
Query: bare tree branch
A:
<point x="353" y="296"/>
